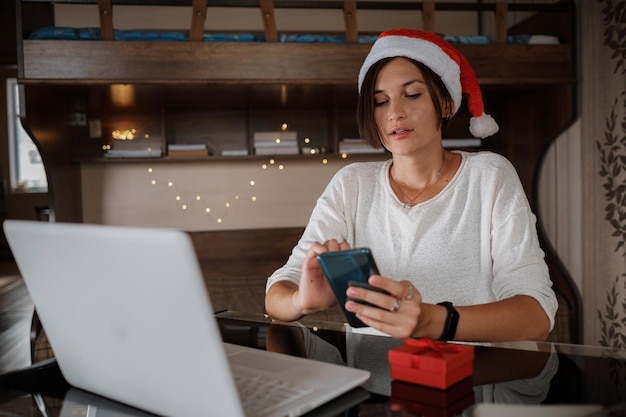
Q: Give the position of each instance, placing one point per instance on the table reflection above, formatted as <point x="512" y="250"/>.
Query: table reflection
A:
<point x="508" y="376"/>
<point x="504" y="374"/>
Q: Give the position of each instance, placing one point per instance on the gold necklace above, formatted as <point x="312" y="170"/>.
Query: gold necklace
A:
<point x="409" y="201"/>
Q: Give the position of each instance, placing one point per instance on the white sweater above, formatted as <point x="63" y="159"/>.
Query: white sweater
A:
<point x="475" y="242"/>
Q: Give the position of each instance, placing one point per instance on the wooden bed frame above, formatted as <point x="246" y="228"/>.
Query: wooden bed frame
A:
<point x="196" y="61"/>
<point x="529" y="89"/>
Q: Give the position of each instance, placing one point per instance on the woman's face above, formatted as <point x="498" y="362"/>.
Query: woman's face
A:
<point x="404" y="112"/>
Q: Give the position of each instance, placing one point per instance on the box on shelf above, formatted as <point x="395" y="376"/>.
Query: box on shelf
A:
<point x="431" y="363"/>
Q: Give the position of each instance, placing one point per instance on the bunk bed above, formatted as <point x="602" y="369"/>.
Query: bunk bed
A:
<point x="503" y="58"/>
<point x="530" y="85"/>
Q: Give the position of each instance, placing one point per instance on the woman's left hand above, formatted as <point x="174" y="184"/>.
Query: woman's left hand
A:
<point x="397" y="313"/>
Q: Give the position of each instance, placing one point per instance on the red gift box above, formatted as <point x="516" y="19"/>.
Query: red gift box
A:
<point x="430" y="363"/>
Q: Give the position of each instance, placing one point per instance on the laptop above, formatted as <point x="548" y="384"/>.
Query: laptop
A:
<point x="127" y="314"/>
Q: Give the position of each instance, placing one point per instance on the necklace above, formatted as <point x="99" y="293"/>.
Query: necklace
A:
<point x="409" y="201"/>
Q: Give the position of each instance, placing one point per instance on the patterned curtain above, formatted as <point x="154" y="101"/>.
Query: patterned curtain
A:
<point x="603" y="134"/>
<point x="604" y="130"/>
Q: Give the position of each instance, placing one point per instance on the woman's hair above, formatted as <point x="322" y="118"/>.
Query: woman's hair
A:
<point x="365" y="107"/>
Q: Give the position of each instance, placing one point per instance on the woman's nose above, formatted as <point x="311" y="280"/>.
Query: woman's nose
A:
<point x="396" y="112"/>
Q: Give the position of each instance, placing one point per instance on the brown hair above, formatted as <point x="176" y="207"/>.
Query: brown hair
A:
<point x="366" y="122"/>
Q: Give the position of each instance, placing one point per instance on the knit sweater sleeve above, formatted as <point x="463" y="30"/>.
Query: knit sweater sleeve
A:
<point x="519" y="267"/>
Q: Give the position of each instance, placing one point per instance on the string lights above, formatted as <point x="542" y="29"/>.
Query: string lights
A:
<point x="216" y="212"/>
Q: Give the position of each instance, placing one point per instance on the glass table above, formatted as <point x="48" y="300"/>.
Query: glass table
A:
<point x="543" y="377"/>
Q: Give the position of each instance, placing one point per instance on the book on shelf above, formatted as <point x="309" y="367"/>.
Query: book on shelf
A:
<point x="275" y="137"/>
<point x="187" y="149"/>
<point x="277" y="150"/>
<point x="234" y="152"/>
<point x="282" y="143"/>
<point x="133" y="153"/>
<point x="463" y="143"/>
<point x="184" y="154"/>
<point x="350" y="145"/>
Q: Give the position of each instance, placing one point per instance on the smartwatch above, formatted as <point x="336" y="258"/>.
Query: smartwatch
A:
<point x="452" y="319"/>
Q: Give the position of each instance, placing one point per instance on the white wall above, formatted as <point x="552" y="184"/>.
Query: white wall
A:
<point x="122" y="193"/>
<point x="560" y="200"/>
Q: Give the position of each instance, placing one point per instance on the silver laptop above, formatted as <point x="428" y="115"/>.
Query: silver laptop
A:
<point x="128" y="317"/>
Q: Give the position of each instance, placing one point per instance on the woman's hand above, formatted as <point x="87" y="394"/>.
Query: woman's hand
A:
<point x="397" y="313"/>
<point x="314" y="293"/>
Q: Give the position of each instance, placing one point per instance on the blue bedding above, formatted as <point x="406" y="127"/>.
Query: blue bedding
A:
<point x="68" y="33"/>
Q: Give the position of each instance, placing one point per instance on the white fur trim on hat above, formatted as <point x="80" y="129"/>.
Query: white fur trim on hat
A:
<point x="422" y="51"/>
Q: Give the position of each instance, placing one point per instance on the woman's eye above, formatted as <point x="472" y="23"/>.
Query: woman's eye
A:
<point x="414" y="96"/>
<point x="380" y="103"/>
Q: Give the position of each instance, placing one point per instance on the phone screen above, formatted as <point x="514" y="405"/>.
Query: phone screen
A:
<point x="345" y="268"/>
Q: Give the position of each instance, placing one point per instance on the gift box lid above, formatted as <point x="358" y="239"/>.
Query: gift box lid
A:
<point x="429" y="355"/>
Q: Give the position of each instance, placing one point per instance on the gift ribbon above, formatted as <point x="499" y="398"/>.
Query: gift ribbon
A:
<point x="431" y="345"/>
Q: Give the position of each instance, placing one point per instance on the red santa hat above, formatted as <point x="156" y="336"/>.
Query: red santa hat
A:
<point x="444" y="60"/>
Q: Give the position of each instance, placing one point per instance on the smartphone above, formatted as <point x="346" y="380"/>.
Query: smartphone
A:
<point x="346" y="268"/>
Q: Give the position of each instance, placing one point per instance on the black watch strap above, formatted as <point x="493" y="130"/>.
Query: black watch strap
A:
<point x="452" y="319"/>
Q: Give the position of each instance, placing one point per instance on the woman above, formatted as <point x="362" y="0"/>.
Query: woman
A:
<point x="452" y="232"/>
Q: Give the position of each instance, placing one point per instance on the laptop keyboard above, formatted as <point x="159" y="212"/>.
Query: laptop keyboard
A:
<point x="261" y="395"/>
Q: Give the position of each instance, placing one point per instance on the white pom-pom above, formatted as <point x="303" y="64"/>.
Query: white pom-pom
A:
<point x="483" y="126"/>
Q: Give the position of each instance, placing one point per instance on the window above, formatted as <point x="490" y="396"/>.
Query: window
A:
<point x="26" y="167"/>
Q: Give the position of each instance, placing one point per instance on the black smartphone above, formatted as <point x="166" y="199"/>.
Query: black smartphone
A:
<point x="346" y="268"/>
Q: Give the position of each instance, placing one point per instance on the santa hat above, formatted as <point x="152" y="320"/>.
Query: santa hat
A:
<point x="444" y="60"/>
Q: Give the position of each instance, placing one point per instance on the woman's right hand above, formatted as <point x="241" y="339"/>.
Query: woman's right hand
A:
<point x="314" y="293"/>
